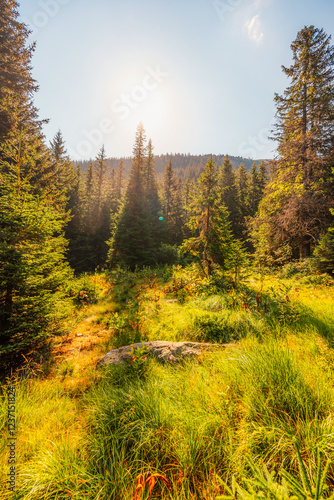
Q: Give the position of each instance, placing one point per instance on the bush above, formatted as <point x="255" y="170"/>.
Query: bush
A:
<point x="222" y="328"/>
<point x="83" y="290"/>
<point x="167" y="254"/>
<point x="301" y="268"/>
<point x="323" y="255"/>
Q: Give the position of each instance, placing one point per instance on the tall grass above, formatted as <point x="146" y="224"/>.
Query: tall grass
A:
<point x="252" y="420"/>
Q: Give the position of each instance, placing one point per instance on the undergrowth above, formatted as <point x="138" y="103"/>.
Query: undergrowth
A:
<point x="251" y="420"/>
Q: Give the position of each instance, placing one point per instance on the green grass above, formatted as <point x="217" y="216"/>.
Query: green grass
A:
<point x="251" y="420"/>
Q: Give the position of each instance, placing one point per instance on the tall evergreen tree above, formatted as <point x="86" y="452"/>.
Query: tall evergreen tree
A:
<point x="209" y="223"/>
<point x="17" y="86"/>
<point x="65" y="175"/>
<point x="262" y="178"/>
<point x="133" y="243"/>
<point x="100" y="172"/>
<point x="120" y="180"/>
<point x="172" y="206"/>
<point x="32" y="267"/>
<point x="254" y="190"/>
<point x="152" y="197"/>
<point x="241" y="182"/>
<point x="229" y="192"/>
<point x="295" y="209"/>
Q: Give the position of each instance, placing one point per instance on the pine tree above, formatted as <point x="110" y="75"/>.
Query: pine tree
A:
<point x="262" y="179"/>
<point x="64" y="176"/>
<point x="209" y="223"/>
<point x="17" y="86"/>
<point x="120" y="179"/>
<point x="100" y="172"/>
<point x="241" y="181"/>
<point x="32" y="268"/>
<point x="112" y="191"/>
<point x="100" y="229"/>
<point x="188" y="191"/>
<point x="295" y="209"/>
<point x="254" y="192"/>
<point x="152" y="197"/>
<point x="305" y="127"/>
<point x="229" y="195"/>
<point x="172" y="206"/>
<point x="133" y="243"/>
<point x="20" y="127"/>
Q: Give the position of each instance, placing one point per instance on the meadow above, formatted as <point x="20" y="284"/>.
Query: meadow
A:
<point x="251" y="420"/>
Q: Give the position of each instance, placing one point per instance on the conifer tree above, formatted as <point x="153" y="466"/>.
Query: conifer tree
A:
<point x="100" y="230"/>
<point x="100" y="171"/>
<point x="64" y="176"/>
<point x="133" y="243"/>
<point x="74" y="230"/>
<point x="229" y="196"/>
<point x="262" y="179"/>
<point x="241" y="181"/>
<point x="120" y="179"/>
<point x="112" y="192"/>
<point x="209" y="223"/>
<point x="17" y="86"/>
<point x="172" y="206"/>
<point x="32" y="267"/>
<point x="188" y="191"/>
<point x="152" y="197"/>
<point x="295" y="209"/>
<point x="81" y="253"/>
<point x="254" y="191"/>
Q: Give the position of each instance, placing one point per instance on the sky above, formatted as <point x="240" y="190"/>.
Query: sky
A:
<point x="199" y="74"/>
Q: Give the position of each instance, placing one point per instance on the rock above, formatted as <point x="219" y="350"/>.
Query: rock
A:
<point x="163" y="351"/>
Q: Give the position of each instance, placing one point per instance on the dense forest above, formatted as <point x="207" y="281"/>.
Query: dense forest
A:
<point x="58" y="217"/>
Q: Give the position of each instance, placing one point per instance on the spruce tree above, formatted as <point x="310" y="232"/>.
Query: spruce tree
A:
<point x="154" y="208"/>
<point x="295" y="209"/>
<point x="120" y="180"/>
<point x="209" y="223"/>
<point x="17" y="86"/>
<point x="81" y="252"/>
<point x="65" y="176"/>
<point x="32" y="268"/>
<point x="262" y="179"/>
<point x="100" y="229"/>
<point x="241" y="182"/>
<point x="229" y="196"/>
<point x="133" y="242"/>
<point x="254" y="190"/>
<point x="172" y="206"/>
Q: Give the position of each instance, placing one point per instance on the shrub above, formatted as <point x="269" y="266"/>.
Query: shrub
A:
<point x="301" y="268"/>
<point x="167" y="254"/>
<point x="83" y="290"/>
<point x="323" y="255"/>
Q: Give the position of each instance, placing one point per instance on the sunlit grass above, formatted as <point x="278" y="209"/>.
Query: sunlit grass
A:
<point x="88" y="433"/>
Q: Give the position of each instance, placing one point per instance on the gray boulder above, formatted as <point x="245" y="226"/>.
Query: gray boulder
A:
<point x="163" y="351"/>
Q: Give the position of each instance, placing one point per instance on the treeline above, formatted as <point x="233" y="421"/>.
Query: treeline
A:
<point x="145" y="210"/>
<point x="56" y="219"/>
<point x="185" y="165"/>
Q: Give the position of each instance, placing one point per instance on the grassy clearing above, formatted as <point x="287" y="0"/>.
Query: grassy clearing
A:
<point x="253" y="420"/>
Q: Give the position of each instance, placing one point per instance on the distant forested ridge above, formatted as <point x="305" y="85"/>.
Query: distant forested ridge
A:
<point x="185" y="165"/>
